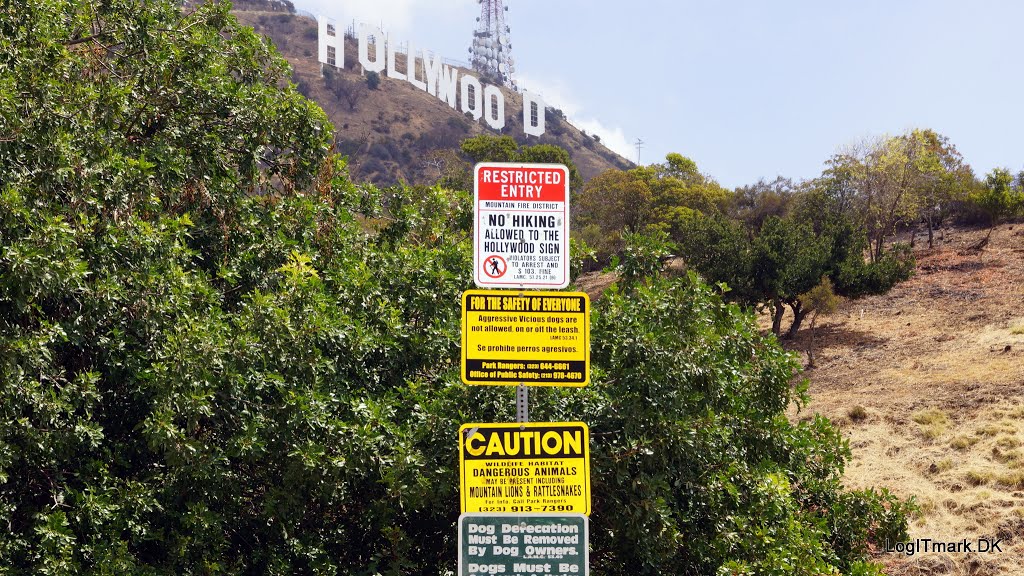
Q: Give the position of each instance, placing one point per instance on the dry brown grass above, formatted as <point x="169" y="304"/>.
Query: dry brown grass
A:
<point x="939" y="365"/>
<point x="932" y="421"/>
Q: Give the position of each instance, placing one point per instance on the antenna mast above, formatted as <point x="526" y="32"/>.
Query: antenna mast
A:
<point x="639" y="145"/>
<point x="491" y="52"/>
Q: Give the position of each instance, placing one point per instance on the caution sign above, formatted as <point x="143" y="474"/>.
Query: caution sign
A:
<point x="521" y="236"/>
<point x="528" y="467"/>
<point x="513" y="545"/>
<point x="536" y="338"/>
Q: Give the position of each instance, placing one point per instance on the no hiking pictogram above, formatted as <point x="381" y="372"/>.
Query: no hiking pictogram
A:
<point x="495" y="266"/>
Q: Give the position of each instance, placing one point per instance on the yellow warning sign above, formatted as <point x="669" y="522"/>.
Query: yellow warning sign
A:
<point x="529" y="467"/>
<point x="535" y="338"/>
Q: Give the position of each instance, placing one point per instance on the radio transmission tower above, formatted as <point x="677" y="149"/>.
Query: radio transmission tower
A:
<point x="491" y="52"/>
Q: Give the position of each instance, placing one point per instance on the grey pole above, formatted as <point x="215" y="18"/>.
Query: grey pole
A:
<point x="522" y="404"/>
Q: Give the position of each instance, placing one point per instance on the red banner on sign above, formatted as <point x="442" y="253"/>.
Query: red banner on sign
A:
<point x="512" y="183"/>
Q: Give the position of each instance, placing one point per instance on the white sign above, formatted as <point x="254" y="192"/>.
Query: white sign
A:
<point x="428" y="73"/>
<point x="521" y="236"/>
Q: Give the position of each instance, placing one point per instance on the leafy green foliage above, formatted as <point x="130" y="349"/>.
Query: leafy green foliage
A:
<point x="581" y="256"/>
<point x="219" y="356"/>
<point x="898" y="181"/>
<point x="754" y="204"/>
<point x="998" y="198"/>
<point x="612" y="204"/>
<point x="780" y="242"/>
<point x="488" y="148"/>
<point x="942" y="178"/>
<point x="819" y="301"/>
<point x="720" y="249"/>
<point x="660" y="196"/>
<point x="697" y="468"/>
<point x="643" y="255"/>
<point x="822" y="298"/>
<point x="789" y="258"/>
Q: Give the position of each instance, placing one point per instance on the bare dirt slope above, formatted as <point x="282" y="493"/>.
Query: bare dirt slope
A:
<point x="927" y="383"/>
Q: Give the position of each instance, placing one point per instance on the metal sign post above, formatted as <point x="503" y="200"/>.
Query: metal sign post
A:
<point x="522" y="404"/>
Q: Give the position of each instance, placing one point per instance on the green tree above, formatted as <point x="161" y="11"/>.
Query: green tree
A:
<point x="825" y="204"/>
<point x="774" y="260"/>
<point x="720" y="481"/>
<point x="611" y="204"/>
<point x="720" y="249"/>
<point x="998" y="199"/>
<point x="661" y="196"/>
<point x="819" y="301"/>
<point x="642" y="256"/>
<point x="942" y="177"/>
<point x="755" y="203"/>
<point x="677" y="187"/>
<point x="899" y="180"/>
<point x="682" y="168"/>
<point x="489" y="148"/>
<point x="789" y="259"/>
<point x="882" y="175"/>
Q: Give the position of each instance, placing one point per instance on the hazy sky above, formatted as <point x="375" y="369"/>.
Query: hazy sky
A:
<point x="751" y="89"/>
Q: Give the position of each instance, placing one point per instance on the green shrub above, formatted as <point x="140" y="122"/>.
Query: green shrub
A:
<point x="373" y="80"/>
<point x="857" y="413"/>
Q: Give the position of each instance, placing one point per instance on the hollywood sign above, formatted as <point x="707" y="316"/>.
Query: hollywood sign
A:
<point x="462" y="92"/>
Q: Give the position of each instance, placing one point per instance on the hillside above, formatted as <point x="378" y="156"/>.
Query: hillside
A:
<point x="398" y="132"/>
<point x="927" y="383"/>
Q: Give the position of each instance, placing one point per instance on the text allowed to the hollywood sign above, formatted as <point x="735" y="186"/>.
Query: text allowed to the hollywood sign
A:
<point x="515" y="545"/>
<point x="525" y="468"/>
<point x="521" y="231"/>
<point x="466" y="93"/>
<point x="535" y="338"/>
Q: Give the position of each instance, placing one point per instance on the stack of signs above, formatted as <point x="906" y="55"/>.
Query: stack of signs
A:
<point x="525" y="487"/>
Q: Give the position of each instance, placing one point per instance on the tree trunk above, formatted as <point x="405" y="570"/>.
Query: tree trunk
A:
<point x="777" y="312"/>
<point x="931" y="242"/>
<point x="798" y="317"/>
<point x="810" y="350"/>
